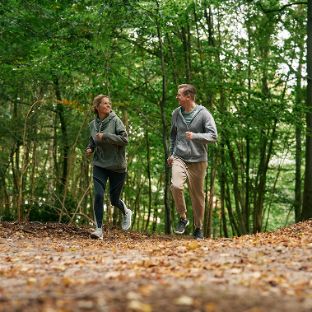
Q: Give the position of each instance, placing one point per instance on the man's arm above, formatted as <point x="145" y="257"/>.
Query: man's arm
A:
<point x="210" y="134"/>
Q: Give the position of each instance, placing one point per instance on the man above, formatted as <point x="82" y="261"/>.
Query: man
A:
<point x="192" y="128"/>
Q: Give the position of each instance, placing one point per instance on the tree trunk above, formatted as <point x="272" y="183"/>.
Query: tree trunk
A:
<point x="148" y="169"/>
<point x="64" y="142"/>
<point x="265" y="155"/>
<point x="200" y="51"/>
<point x="186" y="49"/>
<point x="62" y="183"/>
<point x="298" y="135"/>
<point x="222" y="190"/>
<point x="164" y="124"/>
<point x="246" y="208"/>
<point x="307" y="193"/>
<point x="236" y="188"/>
<point x="235" y="228"/>
<point x="174" y="60"/>
<point x="210" y="199"/>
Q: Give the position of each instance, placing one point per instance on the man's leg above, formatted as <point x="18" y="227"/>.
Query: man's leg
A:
<point x="179" y="176"/>
<point x="178" y="179"/>
<point x="196" y="178"/>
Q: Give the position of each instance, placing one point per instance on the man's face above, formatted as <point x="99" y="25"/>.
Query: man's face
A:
<point x="182" y="99"/>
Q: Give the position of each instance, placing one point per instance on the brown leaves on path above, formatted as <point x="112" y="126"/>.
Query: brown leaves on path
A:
<point x="55" y="267"/>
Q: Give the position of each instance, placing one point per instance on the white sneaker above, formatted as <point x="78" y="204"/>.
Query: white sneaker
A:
<point x="97" y="234"/>
<point x="126" y="219"/>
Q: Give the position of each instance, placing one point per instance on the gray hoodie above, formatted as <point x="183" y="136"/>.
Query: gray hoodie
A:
<point x="204" y="131"/>
<point x="109" y="153"/>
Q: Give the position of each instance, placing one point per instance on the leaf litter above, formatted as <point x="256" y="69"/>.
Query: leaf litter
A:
<point x="56" y="267"/>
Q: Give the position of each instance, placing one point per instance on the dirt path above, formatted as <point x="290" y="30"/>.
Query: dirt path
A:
<point x="55" y="267"/>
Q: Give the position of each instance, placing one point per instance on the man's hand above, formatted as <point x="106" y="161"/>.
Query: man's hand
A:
<point x="188" y="135"/>
<point x="170" y="160"/>
<point x="89" y="151"/>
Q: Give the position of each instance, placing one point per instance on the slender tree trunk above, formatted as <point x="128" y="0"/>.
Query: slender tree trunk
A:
<point x="155" y="210"/>
<point x="222" y="189"/>
<point x="236" y="188"/>
<point x="260" y="183"/>
<point x="200" y="51"/>
<point x="33" y="172"/>
<point x="136" y="212"/>
<point x="62" y="183"/>
<point x="307" y="194"/>
<point x="210" y="200"/>
<point x="212" y="43"/>
<point x="226" y="200"/>
<point x="298" y="135"/>
<point x="148" y="169"/>
<point x="186" y="42"/>
<point x="15" y="162"/>
<point x="174" y="61"/>
<point x="265" y="155"/>
<point x="64" y="142"/>
<point x="247" y="166"/>
<point x="4" y="203"/>
<point x="209" y="21"/>
<point x="235" y="228"/>
<point x="164" y="123"/>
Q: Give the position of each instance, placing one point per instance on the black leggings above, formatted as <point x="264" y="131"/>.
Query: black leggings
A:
<point x="116" y="181"/>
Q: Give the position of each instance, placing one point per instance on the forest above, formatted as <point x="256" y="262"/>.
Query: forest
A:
<point x="251" y="62"/>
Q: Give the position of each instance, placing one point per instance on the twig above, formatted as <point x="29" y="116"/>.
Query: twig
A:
<point x="282" y="8"/>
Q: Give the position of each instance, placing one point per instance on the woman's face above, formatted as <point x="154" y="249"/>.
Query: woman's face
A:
<point x="104" y="108"/>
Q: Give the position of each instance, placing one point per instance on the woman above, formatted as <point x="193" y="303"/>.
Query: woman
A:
<point x="108" y="138"/>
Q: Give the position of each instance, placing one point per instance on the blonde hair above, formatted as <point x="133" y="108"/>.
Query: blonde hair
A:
<point x="97" y="101"/>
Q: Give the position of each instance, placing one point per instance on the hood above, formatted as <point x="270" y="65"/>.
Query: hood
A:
<point x="100" y="124"/>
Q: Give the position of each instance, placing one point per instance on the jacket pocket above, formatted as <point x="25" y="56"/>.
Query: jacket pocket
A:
<point x="182" y="148"/>
<point x="120" y="157"/>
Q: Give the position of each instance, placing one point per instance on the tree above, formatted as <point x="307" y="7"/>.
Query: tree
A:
<point x="307" y="194"/>
<point x="57" y="55"/>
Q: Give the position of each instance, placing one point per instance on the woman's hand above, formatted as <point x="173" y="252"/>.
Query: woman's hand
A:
<point x="89" y="151"/>
<point x="99" y="136"/>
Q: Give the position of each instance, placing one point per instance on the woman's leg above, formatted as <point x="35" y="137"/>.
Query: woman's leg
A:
<point x="100" y="177"/>
<point x="117" y="181"/>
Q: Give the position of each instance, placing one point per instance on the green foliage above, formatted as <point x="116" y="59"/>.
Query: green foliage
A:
<point x="57" y="55"/>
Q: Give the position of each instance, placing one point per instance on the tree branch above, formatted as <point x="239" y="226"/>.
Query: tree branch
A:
<point x="282" y="8"/>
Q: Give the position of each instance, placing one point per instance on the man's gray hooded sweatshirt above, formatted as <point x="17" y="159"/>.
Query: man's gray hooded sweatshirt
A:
<point x="204" y="131"/>
<point x="109" y="153"/>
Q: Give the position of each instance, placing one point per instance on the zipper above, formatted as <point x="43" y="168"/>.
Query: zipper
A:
<point x="100" y="126"/>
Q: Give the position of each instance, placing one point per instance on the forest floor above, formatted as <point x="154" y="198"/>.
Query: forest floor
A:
<point x="56" y="267"/>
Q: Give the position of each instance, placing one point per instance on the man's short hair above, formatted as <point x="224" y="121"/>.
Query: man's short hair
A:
<point x="188" y="90"/>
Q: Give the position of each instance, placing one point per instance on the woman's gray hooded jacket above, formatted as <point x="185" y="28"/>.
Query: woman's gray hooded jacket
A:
<point x="109" y="153"/>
